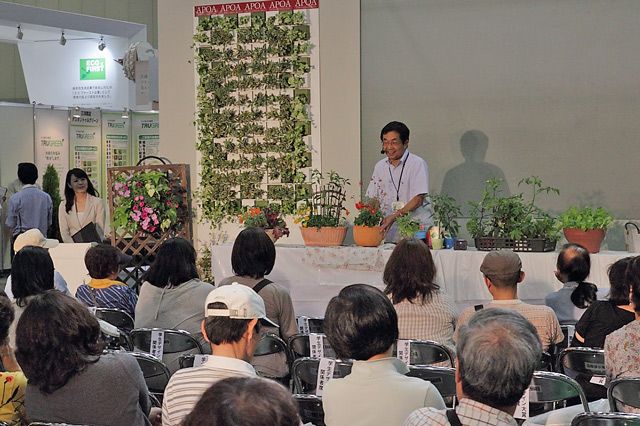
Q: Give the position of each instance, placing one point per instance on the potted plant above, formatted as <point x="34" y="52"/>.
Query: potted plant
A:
<point x="445" y="214"/>
<point x="266" y="218"/>
<point x="499" y="222"/>
<point x="586" y="226"/>
<point x="320" y="218"/>
<point x="407" y="225"/>
<point x="367" y="231"/>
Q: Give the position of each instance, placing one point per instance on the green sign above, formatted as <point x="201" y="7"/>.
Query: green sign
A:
<point x="93" y="69"/>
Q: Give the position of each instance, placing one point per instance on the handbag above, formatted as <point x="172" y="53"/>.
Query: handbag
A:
<point x="632" y="237"/>
<point x="88" y="234"/>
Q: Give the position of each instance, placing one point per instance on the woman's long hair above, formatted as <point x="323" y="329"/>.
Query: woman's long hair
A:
<point x="175" y="264"/>
<point x="574" y="264"/>
<point x="31" y="273"/>
<point x="69" y="193"/>
<point x="410" y="272"/>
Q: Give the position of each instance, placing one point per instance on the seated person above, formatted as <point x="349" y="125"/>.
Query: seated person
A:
<point x="361" y="324"/>
<point x="572" y="269"/>
<point x="103" y="263"/>
<point x="245" y="401"/>
<point x="498" y="350"/>
<point x="70" y="379"/>
<point x="14" y="383"/>
<point x="424" y="311"/>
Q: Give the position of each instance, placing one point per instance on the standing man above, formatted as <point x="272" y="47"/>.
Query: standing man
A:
<point x="30" y="207"/>
<point x="400" y="181"/>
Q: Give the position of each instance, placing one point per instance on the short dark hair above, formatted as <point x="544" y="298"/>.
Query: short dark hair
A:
<point x="396" y="126"/>
<point x="7" y="316"/>
<point x="253" y="254"/>
<point x="224" y="329"/>
<point x="31" y="273"/>
<point x="69" y="194"/>
<point x="360" y="322"/>
<point x="56" y="338"/>
<point x="574" y="264"/>
<point x="175" y="264"/>
<point x="508" y="280"/>
<point x="102" y="260"/>
<point x="410" y="272"/>
<point x="633" y="278"/>
<point x="245" y="401"/>
<point x="27" y="173"/>
<point x="618" y="284"/>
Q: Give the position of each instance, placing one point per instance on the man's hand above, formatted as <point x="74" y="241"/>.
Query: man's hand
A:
<point x="386" y="224"/>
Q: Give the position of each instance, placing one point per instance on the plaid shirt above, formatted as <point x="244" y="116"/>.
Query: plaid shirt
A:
<point x="470" y="413"/>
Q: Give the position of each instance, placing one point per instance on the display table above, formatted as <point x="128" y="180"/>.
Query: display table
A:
<point x="314" y="275"/>
<point x="68" y="260"/>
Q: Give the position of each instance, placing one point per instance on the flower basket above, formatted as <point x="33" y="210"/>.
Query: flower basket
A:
<point x="527" y="244"/>
<point x="325" y="236"/>
<point x="367" y="236"/>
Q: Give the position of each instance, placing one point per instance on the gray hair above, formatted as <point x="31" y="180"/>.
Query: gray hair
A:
<point x="498" y="351"/>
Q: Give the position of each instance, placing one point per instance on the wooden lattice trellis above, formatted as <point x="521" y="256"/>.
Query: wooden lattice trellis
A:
<point x="143" y="247"/>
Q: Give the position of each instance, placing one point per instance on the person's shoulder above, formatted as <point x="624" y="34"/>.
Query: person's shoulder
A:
<point x="414" y="158"/>
<point x="426" y="416"/>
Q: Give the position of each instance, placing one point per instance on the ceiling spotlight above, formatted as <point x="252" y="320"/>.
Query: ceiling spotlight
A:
<point x="102" y="44"/>
<point x="63" y="40"/>
<point x="76" y="112"/>
<point x="125" y="113"/>
<point x="20" y="33"/>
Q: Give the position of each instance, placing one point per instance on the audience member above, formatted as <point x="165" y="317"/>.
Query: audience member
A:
<point x="233" y="317"/>
<point x="361" y="324"/>
<point x="498" y="351"/>
<point x="14" y="383"/>
<point x="33" y="237"/>
<point x="604" y="316"/>
<point x="81" y="207"/>
<point x="32" y="272"/>
<point x="621" y="347"/>
<point x="572" y="269"/>
<point x="30" y="207"/>
<point x="424" y="311"/>
<point x="103" y="263"/>
<point x="253" y="257"/>
<point x="502" y="272"/>
<point x="172" y="294"/>
<point x="245" y="401"/>
<point x="70" y="379"/>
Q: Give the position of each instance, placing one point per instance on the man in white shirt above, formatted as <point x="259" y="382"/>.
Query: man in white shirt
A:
<point x="233" y="314"/>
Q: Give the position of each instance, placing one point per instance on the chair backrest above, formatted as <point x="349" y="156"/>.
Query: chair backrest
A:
<point x="443" y="378"/>
<point x="155" y="372"/>
<point x="427" y="352"/>
<point x="188" y="360"/>
<point x="116" y="317"/>
<point x="606" y="419"/>
<point x="305" y="373"/>
<point x="625" y="390"/>
<point x="300" y="346"/>
<point x="310" y="409"/>
<point x="270" y="344"/>
<point x="546" y="362"/>
<point x="308" y="324"/>
<point x="555" y="387"/>
<point x="572" y="361"/>
<point x="174" y="340"/>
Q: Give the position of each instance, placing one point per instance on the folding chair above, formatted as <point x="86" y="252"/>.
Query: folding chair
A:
<point x="443" y="378"/>
<point x="271" y="344"/>
<point x="552" y="388"/>
<point x="41" y="424"/>
<point x="572" y="361"/>
<point x="305" y="374"/>
<point x="116" y="317"/>
<point x="427" y="352"/>
<point x="625" y="390"/>
<point x="310" y="409"/>
<point x="299" y="346"/>
<point x="606" y="419"/>
<point x="174" y="340"/>
<point x="546" y="362"/>
<point x="307" y="324"/>
<point x="155" y="372"/>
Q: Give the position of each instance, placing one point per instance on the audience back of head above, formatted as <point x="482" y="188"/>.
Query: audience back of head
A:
<point x="410" y="272"/>
<point x="574" y="265"/>
<point x="31" y="273"/>
<point x="102" y="261"/>
<point x="27" y="173"/>
<point x="633" y="278"/>
<point x="245" y="402"/>
<point x="618" y="284"/>
<point x="175" y="264"/>
<point x="6" y="317"/>
<point x="253" y="254"/>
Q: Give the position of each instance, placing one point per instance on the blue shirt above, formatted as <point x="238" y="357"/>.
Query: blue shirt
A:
<point x="29" y="208"/>
<point x="117" y="296"/>
<point x="560" y="302"/>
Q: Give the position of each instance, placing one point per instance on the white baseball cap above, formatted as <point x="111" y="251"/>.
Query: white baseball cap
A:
<point x="242" y="303"/>
<point x="33" y="237"/>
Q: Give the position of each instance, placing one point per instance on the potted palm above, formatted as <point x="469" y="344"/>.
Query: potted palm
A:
<point x="445" y="214"/>
<point x="266" y="218"/>
<point x="586" y="226"/>
<point x="367" y="231"/>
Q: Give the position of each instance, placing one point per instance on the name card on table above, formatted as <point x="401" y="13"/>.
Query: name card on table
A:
<point x="316" y="345"/>
<point x="157" y="343"/>
<point x="403" y="351"/>
<point x="303" y="324"/>
<point x="325" y="373"/>
<point x="522" y="409"/>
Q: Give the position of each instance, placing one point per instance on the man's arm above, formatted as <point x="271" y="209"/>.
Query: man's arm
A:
<point x="413" y="204"/>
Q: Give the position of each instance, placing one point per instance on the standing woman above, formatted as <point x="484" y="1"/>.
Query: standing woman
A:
<point x="82" y="206"/>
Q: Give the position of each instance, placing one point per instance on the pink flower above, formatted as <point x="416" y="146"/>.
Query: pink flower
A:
<point x="126" y="188"/>
<point x="141" y="203"/>
<point x="168" y="203"/>
<point x="139" y="184"/>
<point x="127" y="194"/>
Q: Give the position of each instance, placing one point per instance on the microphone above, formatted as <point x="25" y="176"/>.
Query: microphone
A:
<point x="383" y="151"/>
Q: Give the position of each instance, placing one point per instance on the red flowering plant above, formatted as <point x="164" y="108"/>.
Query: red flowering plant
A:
<point x="369" y="213"/>
<point x="265" y="218"/>
<point x="148" y="202"/>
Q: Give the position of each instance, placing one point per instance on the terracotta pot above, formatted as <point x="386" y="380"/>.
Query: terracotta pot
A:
<point x="326" y="236"/>
<point x="589" y="239"/>
<point x="366" y="236"/>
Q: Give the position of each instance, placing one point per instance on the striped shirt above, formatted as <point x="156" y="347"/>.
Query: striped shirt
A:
<point x="433" y="320"/>
<point x="542" y="317"/>
<point x="116" y="296"/>
<point x="470" y="413"/>
<point x="187" y="385"/>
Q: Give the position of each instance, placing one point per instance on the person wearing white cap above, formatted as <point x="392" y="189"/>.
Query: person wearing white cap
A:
<point x="33" y="237"/>
<point x="234" y="315"/>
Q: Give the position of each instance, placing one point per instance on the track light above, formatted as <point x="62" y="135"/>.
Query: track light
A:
<point x="20" y="33"/>
<point x="125" y="113"/>
<point x="63" y="40"/>
<point x="76" y="113"/>
<point x="102" y="44"/>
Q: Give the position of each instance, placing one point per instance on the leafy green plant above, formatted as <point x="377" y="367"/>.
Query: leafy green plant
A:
<point x="265" y="218"/>
<point x="512" y="216"/>
<point x="327" y="201"/>
<point x="51" y="185"/>
<point x="445" y="213"/>
<point x="586" y="218"/>
<point x="407" y="225"/>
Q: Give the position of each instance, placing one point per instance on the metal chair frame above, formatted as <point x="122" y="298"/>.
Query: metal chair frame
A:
<point x="555" y="387"/>
<point x="116" y="317"/>
<point x="310" y="409"/>
<point x="155" y="372"/>
<point x="625" y="390"/>
<point x="174" y="340"/>
<point x="443" y="378"/>
<point x="427" y="352"/>
<point x="305" y="373"/>
<point x="606" y="419"/>
<point x="581" y="360"/>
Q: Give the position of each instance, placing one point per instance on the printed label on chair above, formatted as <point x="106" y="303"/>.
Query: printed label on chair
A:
<point x="303" y="325"/>
<point x="316" y="345"/>
<point x="522" y="409"/>
<point x="199" y="359"/>
<point x="404" y="351"/>
<point x="598" y="380"/>
<point x="325" y="373"/>
<point x="157" y="343"/>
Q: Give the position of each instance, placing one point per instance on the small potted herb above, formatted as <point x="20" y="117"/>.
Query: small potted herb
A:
<point x="586" y="226"/>
<point x="407" y="225"/>
<point x="445" y="214"/>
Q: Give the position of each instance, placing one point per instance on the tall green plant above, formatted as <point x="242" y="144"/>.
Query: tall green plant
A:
<point x="51" y="185"/>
